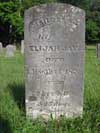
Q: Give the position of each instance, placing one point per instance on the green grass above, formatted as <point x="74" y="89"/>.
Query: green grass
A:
<point x="12" y="93"/>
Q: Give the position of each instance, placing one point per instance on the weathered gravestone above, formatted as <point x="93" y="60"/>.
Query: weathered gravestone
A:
<point x="1" y="48"/>
<point x="10" y="50"/>
<point x="98" y="50"/>
<point x="22" y="46"/>
<point x="54" y="60"/>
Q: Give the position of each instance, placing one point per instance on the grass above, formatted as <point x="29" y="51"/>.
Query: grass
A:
<point x="12" y="107"/>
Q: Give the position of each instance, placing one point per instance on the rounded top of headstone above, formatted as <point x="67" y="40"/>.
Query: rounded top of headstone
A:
<point x="0" y="43"/>
<point x="9" y="45"/>
<point x="22" y="41"/>
<point x="53" y="7"/>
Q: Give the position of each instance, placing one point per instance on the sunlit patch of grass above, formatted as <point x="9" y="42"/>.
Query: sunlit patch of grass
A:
<point x="12" y="95"/>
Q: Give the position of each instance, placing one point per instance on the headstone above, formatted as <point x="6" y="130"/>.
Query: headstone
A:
<point x="54" y="60"/>
<point x="98" y="50"/>
<point x="10" y="50"/>
<point x="1" y="48"/>
<point x="22" y="46"/>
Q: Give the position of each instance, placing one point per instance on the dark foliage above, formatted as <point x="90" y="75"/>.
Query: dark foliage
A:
<point x="12" y="12"/>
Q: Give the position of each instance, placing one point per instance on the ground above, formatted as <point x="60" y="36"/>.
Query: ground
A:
<point x="12" y="95"/>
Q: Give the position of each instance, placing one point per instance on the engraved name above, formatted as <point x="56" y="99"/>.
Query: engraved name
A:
<point x="54" y="48"/>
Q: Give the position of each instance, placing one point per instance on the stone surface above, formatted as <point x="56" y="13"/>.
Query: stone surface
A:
<point x="10" y="50"/>
<point x="54" y="60"/>
<point x="22" y="46"/>
<point x="98" y="50"/>
<point x="1" y="48"/>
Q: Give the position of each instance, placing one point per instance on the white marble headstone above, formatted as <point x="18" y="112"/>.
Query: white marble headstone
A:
<point x="98" y="50"/>
<point x="22" y="46"/>
<point x="1" y="47"/>
<point x="10" y="50"/>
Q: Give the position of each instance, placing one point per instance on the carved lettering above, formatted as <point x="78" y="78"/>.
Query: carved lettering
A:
<point x="55" y="48"/>
<point x="54" y="59"/>
<point x="50" y="71"/>
<point x="46" y="21"/>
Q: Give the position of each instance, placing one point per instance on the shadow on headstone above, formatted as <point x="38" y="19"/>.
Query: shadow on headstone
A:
<point x="18" y="92"/>
<point x="5" y="126"/>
